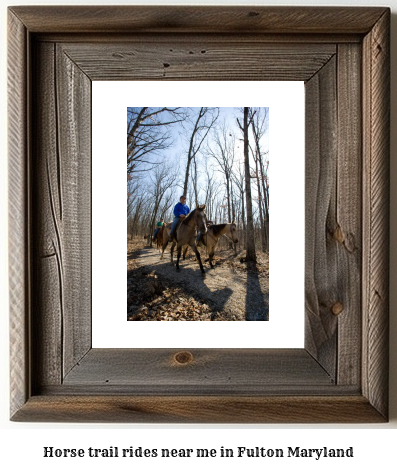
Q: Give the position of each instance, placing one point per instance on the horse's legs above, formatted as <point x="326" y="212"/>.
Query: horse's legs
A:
<point x="211" y="256"/>
<point x="179" y="249"/>
<point x="172" y="251"/>
<point x="194" y="248"/>
<point x="165" y="243"/>
<point x="185" y="251"/>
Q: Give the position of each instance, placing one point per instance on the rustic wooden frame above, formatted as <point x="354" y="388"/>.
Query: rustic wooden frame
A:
<point x="342" y="373"/>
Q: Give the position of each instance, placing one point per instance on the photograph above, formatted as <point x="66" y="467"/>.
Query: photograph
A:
<point x="198" y="213"/>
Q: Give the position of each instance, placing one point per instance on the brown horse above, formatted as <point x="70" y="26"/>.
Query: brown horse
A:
<point x="186" y="234"/>
<point x="214" y="232"/>
<point x="159" y="238"/>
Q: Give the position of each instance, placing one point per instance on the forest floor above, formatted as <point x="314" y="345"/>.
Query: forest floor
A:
<point x="231" y="291"/>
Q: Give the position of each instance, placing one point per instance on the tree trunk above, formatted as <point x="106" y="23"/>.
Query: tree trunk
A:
<point x="266" y="202"/>
<point x="243" y="220"/>
<point x="228" y="197"/>
<point x="251" y="254"/>
<point x="262" y="218"/>
<point x="195" y="182"/>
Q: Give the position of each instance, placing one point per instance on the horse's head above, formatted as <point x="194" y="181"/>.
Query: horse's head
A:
<point x="201" y="218"/>
<point x="233" y="232"/>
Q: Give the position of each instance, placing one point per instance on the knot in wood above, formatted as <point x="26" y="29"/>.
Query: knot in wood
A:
<point x="337" y="308"/>
<point x="183" y="358"/>
<point x="338" y="235"/>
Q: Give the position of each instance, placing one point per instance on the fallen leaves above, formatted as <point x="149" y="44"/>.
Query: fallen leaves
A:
<point x="171" y="305"/>
<point x="237" y="263"/>
<point x="152" y="296"/>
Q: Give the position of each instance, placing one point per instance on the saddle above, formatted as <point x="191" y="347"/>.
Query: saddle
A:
<point x="176" y="229"/>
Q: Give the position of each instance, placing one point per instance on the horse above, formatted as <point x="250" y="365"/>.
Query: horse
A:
<point x="186" y="234"/>
<point x="214" y="232"/>
<point x="159" y="238"/>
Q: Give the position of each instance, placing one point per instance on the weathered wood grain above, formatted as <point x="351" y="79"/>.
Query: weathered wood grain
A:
<point x="347" y="228"/>
<point x="18" y="222"/>
<point x="48" y="280"/>
<point x="376" y="92"/>
<point x="73" y="89"/>
<point x="194" y="39"/>
<point x="224" y="59"/>
<point x="199" y="409"/>
<point x="199" y="19"/>
<point x="62" y="208"/>
<point x="321" y="261"/>
<point x="230" y="369"/>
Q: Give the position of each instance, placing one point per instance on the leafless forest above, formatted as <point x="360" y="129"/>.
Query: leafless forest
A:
<point x="215" y="156"/>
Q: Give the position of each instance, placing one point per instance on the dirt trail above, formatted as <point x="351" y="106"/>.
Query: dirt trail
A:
<point x="230" y="290"/>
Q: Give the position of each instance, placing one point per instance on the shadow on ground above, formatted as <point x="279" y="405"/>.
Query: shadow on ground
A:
<point x="259" y="310"/>
<point x="192" y="283"/>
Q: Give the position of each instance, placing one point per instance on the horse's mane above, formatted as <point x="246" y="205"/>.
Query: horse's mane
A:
<point x="190" y="215"/>
<point x="217" y="228"/>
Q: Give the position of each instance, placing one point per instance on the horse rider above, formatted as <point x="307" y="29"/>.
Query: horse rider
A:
<point x="159" y="226"/>
<point x="181" y="210"/>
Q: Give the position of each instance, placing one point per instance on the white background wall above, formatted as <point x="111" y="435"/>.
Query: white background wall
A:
<point x="22" y="444"/>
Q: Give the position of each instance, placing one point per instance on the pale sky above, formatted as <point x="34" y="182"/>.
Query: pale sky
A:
<point x="178" y="151"/>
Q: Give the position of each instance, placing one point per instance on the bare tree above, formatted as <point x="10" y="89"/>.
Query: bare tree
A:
<point x="132" y="190"/>
<point x="163" y="179"/>
<point x="148" y="132"/>
<point x="222" y="151"/>
<point x="211" y="190"/>
<point x="195" y="181"/>
<point x="251" y="253"/>
<point x="263" y="221"/>
<point x="259" y="124"/>
<point x="214" y="173"/>
<point x="239" y="182"/>
<point x="166" y="205"/>
<point x="133" y="222"/>
<point x="200" y="127"/>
